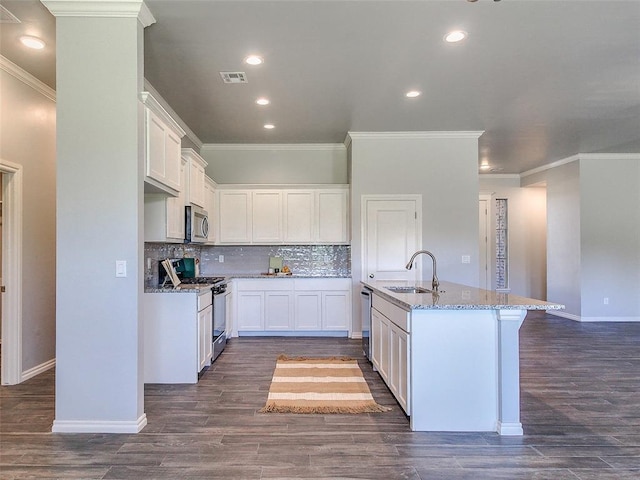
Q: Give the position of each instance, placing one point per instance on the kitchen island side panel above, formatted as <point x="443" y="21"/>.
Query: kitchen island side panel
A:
<point x="454" y="370"/>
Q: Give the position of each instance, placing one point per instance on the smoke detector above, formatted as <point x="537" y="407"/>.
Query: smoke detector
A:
<point x="234" y="77"/>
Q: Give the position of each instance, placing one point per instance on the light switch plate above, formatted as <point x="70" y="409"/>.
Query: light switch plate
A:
<point x="121" y="268"/>
<point x="466" y="258"/>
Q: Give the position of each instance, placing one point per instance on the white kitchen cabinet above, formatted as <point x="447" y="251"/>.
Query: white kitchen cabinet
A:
<point x="235" y="216"/>
<point x="390" y="348"/>
<point x="164" y="216"/>
<point x="229" y="311"/>
<point x="336" y="310"/>
<point x="205" y="337"/>
<point x="210" y="207"/>
<point x="270" y="216"/>
<point x="278" y="310"/>
<point x="292" y="305"/>
<point x="177" y="336"/>
<point x="308" y="310"/>
<point x="266" y="216"/>
<point x="250" y="310"/>
<point x="299" y="216"/>
<point x="195" y="178"/>
<point x="332" y="213"/>
<point x="163" y="137"/>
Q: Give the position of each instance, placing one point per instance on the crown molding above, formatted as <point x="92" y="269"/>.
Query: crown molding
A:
<point x="274" y="146"/>
<point x="412" y="135"/>
<point x="101" y="8"/>
<point x="583" y="156"/>
<point x="499" y="176"/>
<point x="26" y="78"/>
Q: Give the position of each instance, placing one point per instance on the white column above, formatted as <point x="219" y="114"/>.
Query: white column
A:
<point x="99" y="376"/>
<point x="509" y="322"/>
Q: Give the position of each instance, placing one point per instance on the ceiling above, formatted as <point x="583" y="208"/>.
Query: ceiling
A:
<point x="543" y="79"/>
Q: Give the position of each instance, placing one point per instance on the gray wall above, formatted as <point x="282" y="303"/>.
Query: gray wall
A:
<point x="276" y="164"/>
<point x="527" y="214"/>
<point x="445" y="171"/>
<point x="28" y="138"/>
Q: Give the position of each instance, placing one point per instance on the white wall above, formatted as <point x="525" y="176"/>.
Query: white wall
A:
<point x="28" y="138"/>
<point x="527" y="230"/>
<point x="276" y="164"/>
<point x="610" y="237"/>
<point x="444" y="169"/>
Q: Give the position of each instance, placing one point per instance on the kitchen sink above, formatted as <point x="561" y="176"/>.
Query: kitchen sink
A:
<point x="408" y="289"/>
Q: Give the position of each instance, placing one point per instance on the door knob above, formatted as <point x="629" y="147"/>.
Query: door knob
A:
<point x="371" y="275"/>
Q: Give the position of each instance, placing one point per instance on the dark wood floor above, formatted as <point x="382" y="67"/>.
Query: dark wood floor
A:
<point x="580" y="410"/>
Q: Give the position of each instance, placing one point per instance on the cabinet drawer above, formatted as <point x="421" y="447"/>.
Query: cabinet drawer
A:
<point x="204" y="300"/>
<point x="266" y="284"/>
<point x="311" y="284"/>
<point x="394" y="313"/>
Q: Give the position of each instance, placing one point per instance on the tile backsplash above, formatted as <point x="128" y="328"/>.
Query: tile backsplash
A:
<point x="312" y="260"/>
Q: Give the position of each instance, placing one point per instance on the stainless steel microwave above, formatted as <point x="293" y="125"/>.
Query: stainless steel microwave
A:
<point x="196" y="225"/>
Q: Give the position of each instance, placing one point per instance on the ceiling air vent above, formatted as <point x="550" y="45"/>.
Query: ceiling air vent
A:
<point x="234" y="77"/>
<point x="7" y="17"/>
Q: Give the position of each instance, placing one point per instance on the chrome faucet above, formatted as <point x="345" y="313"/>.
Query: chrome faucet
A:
<point x="434" y="281"/>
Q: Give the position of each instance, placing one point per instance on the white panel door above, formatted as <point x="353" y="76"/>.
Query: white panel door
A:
<point x="391" y="235"/>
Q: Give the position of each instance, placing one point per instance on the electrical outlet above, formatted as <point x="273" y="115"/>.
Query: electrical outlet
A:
<point x="121" y="268"/>
<point x="606" y="300"/>
<point x="221" y="258"/>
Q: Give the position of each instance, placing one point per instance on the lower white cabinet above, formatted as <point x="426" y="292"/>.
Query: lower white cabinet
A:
<point x="177" y="336"/>
<point x="291" y="305"/>
<point x="390" y="348"/>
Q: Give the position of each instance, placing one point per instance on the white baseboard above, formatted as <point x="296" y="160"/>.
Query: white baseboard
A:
<point x="87" y="426"/>
<point x="610" y="319"/>
<point x="511" y="429"/>
<point x="37" y="370"/>
<point x="578" y="318"/>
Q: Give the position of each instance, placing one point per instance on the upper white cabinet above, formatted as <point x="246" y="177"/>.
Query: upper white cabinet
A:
<point x="290" y="216"/>
<point x="266" y="214"/>
<point x="164" y="215"/>
<point x="162" y="149"/>
<point x="211" y="208"/>
<point x="234" y="216"/>
<point x="196" y="178"/>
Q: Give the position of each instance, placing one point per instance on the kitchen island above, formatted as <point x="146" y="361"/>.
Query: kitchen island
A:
<point x="451" y="357"/>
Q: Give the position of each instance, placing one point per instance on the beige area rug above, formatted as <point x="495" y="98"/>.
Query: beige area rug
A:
<point x="319" y="385"/>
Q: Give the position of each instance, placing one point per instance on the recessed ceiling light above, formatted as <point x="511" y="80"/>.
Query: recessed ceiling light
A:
<point x="32" y="42"/>
<point x="253" y="60"/>
<point x="269" y="126"/>
<point x="455" y="36"/>
<point x="263" y="101"/>
<point x="413" y="94"/>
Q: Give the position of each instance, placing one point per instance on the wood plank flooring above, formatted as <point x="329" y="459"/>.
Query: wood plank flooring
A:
<point x="580" y="410"/>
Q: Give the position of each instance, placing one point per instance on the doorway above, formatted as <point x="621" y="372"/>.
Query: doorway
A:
<point x="11" y="268"/>
<point x="391" y="233"/>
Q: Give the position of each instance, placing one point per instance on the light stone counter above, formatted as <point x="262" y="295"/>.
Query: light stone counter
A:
<point x="454" y="296"/>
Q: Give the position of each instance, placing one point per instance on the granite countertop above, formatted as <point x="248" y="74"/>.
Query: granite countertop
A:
<point x="454" y="296"/>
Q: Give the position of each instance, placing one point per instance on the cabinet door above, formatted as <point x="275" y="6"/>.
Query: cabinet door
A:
<point x="172" y="154"/>
<point x="336" y="309"/>
<point x="278" y="311"/>
<point x="402" y="356"/>
<point x="156" y="132"/>
<point x="175" y="210"/>
<point x="299" y="216"/>
<point x="204" y="337"/>
<point x="210" y="207"/>
<point x="229" y="314"/>
<point x="250" y="311"/>
<point x="380" y="343"/>
<point x="376" y="329"/>
<point x="332" y="217"/>
<point x="267" y="217"/>
<point x="196" y="184"/>
<point x="235" y="216"/>
<point x="308" y="306"/>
